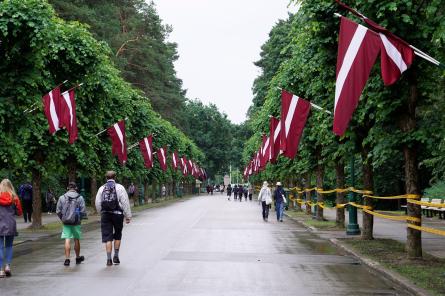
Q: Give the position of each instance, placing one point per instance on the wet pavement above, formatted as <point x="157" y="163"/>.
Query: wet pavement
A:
<point x="202" y="246"/>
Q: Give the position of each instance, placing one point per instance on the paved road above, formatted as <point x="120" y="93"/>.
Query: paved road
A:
<point x="203" y="246"/>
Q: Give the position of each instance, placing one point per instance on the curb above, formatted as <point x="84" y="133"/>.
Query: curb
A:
<point x="374" y="266"/>
<point x="377" y="268"/>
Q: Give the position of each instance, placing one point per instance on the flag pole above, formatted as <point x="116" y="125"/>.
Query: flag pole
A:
<point x="417" y="51"/>
<point x="103" y="131"/>
<point x="313" y="105"/>
<point x="29" y="110"/>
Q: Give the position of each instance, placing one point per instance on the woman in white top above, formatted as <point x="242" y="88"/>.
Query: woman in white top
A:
<point x="265" y="197"/>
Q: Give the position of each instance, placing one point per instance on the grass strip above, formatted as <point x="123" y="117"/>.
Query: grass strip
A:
<point x="308" y="220"/>
<point x="427" y="273"/>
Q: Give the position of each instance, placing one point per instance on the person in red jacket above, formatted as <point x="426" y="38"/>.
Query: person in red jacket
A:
<point x="9" y="207"/>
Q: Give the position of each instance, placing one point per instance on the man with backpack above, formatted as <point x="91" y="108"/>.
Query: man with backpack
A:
<point x="25" y="193"/>
<point x="113" y="205"/>
<point x="71" y="209"/>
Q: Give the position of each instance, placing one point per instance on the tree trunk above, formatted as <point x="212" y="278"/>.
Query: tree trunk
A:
<point x="72" y="169"/>
<point x="37" y="199"/>
<point x="307" y="185"/>
<point x="341" y="180"/>
<point x="368" y="183"/>
<point x="320" y="197"/>
<point x="146" y="193"/>
<point x="93" y="189"/>
<point x="407" y="123"/>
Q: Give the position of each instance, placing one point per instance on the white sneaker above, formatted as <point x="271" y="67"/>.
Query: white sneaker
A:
<point x="2" y="273"/>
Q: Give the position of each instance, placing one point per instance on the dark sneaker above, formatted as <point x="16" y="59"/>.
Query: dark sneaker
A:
<point x="8" y="270"/>
<point x="116" y="260"/>
<point x="67" y="262"/>
<point x="109" y="262"/>
<point x="80" y="259"/>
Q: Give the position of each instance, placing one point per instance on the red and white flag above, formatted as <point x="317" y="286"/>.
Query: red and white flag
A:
<point x="184" y="165"/>
<point x="294" y="113"/>
<point x="119" y="144"/>
<point x="190" y="166"/>
<point x="275" y="134"/>
<point x="67" y="114"/>
<point x="396" y="54"/>
<point x="51" y="108"/>
<point x="358" y="49"/>
<point x="175" y="160"/>
<point x="162" y="157"/>
<point x="146" y="146"/>
<point x="265" y="151"/>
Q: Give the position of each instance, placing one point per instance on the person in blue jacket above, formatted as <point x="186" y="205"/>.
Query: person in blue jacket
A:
<point x="279" y="201"/>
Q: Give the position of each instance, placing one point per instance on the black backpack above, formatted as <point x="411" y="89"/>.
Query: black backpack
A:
<point x="109" y="201"/>
<point x="70" y="211"/>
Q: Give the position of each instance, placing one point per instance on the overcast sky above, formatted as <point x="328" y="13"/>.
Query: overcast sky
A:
<point x="218" y="41"/>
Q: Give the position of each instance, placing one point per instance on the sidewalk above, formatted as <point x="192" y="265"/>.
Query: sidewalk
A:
<point x="384" y="228"/>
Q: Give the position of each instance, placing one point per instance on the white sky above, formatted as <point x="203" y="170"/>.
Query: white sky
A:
<point x="218" y="41"/>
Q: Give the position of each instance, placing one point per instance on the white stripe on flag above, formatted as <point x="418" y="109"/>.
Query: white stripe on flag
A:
<point x="163" y="155"/>
<point x="277" y="132"/>
<point x="348" y="60"/>
<point x="52" y="109"/>
<point x="147" y="146"/>
<point x="290" y="113"/>
<point x="120" y="135"/>
<point x="66" y="97"/>
<point x="266" y="145"/>
<point x="174" y="160"/>
<point x="393" y="53"/>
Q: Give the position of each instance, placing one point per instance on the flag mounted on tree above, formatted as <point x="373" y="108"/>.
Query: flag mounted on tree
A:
<point x="162" y="157"/>
<point x="275" y="135"/>
<point x="175" y="160"/>
<point x="119" y="144"/>
<point x="358" y="49"/>
<point x="68" y="114"/>
<point x="294" y="113"/>
<point x="146" y="146"/>
<point x="396" y="54"/>
<point x="265" y="151"/>
<point x="51" y="108"/>
<point x="184" y="165"/>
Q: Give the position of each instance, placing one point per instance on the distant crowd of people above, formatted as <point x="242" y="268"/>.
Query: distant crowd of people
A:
<point x="239" y="191"/>
<point x="111" y="202"/>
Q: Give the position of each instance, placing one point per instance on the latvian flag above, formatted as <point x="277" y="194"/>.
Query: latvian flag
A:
<point x="184" y="165"/>
<point x="146" y="146"/>
<point x="51" y="108"/>
<point x="175" y="160"/>
<point x="162" y="157"/>
<point x="275" y="134"/>
<point x="119" y="144"/>
<point x="294" y="113"/>
<point x="68" y="114"/>
<point x="265" y="152"/>
<point x="358" y="48"/>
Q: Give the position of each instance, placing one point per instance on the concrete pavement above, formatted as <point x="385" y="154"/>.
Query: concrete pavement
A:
<point x="202" y="246"/>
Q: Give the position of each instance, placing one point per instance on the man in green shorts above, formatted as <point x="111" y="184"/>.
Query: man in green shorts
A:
<point x="71" y="209"/>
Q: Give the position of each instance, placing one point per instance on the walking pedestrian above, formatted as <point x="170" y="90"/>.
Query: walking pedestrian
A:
<point x="240" y="192"/>
<point x="265" y="197"/>
<point x="163" y="191"/>
<point x="245" y="192"/>
<point x="50" y="201"/>
<point x="71" y="209"/>
<point x="9" y="207"/>
<point x="229" y="191"/>
<point x="25" y="193"/>
<point x="221" y="188"/>
<point x="250" y="192"/>
<point x="131" y="193"/>
<point x="113" y="204"/>
<point x="235" y="192"/>
<point x="279" y="201"/>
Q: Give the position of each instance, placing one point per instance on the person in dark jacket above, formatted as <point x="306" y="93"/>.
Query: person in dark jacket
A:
<point x="279" y="201"/>
<point x="25" y="194"/>
<point x="71" y="231"/>
<point x="235" y="192"/>
<point x="229" y="191"/>
<point x="9" y="207"/>
<point x="245" y="192"/>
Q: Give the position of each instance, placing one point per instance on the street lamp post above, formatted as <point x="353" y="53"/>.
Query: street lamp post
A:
<point x="353" y="228"/>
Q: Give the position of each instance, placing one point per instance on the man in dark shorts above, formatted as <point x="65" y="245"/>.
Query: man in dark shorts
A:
<point x="113" y="205"/>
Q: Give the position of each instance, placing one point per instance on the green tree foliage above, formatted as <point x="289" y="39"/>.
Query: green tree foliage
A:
<point x="139" y="47"/>
<point x="39" y="50"/>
